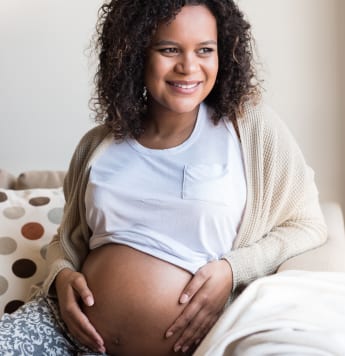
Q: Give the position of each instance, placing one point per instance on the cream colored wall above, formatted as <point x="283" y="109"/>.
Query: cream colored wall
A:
<point x="45" y="79"/>
<point x="300" y="44"/>
<point x="341" y="20"/>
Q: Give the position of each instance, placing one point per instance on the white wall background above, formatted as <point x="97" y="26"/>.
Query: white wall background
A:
<point x="341" y="19"/>
<point x="45" y="79"/>
<point x="300" y="45"/>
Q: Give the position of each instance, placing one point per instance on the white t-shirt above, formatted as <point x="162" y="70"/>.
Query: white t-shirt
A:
<point x="183" y="205"/>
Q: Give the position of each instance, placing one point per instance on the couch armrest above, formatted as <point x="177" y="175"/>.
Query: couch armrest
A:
<point x="330" y="256"/>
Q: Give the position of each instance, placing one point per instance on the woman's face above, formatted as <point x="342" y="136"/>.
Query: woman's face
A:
<point x="182" y="61"/>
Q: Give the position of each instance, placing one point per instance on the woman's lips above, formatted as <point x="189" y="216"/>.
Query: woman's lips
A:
<point x="184" y="87"/>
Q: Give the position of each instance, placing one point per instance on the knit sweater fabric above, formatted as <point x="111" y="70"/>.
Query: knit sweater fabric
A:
<point x="282" y="217"/>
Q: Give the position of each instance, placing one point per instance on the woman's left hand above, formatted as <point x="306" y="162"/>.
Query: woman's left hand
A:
<point x="206" y="295"/>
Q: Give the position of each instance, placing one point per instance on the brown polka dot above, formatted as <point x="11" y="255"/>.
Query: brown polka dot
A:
<point x="33" y="231"/>
<point x="3" y="197"/>
<point x="39" y="201"/>
<point x="7" y="245"/>
<point x="13" y="306"/>
<point x="24" y="268"/>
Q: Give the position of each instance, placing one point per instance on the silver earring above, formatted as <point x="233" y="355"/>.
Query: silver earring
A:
<point x="145" y="93"/>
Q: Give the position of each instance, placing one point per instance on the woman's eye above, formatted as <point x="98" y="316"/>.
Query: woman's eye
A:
<point x="205" y="50"/>
<point x="168" y="50"/>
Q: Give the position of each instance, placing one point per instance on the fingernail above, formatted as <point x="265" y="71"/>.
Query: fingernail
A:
<point x="89" y="301"/>
<point x="185" y="348"/>
<point x="177" y="348"/>
<point x="184" y="298"/>
<point x="168" y="334"/>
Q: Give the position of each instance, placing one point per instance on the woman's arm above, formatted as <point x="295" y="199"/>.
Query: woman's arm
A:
<point x="69" y="248"/>
<point x="283" y="217"/>
<point x="300" y="233"/>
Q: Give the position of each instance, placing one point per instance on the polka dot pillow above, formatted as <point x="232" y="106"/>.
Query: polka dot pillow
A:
<point x="28" y="221"/>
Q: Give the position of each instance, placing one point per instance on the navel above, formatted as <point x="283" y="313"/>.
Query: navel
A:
<point x="117" y="341"/>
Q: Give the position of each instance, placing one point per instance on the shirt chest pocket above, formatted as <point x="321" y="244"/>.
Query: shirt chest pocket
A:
<point x="210" y="183"/>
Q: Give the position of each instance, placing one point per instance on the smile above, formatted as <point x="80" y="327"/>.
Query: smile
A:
<point x="189" y="85"/>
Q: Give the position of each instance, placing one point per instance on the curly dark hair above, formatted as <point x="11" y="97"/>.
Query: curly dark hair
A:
<point x="123" y="33"/>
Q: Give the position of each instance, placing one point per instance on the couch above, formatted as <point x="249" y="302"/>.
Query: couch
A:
<point x="31" y="207"/>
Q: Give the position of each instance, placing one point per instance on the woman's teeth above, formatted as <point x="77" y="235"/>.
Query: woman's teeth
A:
<point x="185" y="86"/>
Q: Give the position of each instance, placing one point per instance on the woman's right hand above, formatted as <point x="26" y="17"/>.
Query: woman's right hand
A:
<point x="71" y="288"/>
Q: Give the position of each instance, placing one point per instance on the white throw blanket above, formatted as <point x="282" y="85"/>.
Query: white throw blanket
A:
<point x="290" y="313"/>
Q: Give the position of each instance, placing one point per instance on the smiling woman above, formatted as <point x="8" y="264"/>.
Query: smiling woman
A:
<point x="186" y="192"/>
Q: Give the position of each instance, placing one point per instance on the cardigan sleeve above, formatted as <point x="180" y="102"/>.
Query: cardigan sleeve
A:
<point x="69" y="247"/>
<point x="284" y="217"/>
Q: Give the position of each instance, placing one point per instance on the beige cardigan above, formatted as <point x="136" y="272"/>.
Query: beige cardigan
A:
<point x="282" y="217"/>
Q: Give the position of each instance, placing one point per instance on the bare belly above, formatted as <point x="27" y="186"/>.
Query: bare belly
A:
<point x="136" y="300"/>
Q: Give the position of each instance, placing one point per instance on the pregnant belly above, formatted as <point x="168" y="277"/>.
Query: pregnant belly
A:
<point x="136" y="300"/>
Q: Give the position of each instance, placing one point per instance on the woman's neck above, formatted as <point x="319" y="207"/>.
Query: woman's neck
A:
<point x="166" y="129"/>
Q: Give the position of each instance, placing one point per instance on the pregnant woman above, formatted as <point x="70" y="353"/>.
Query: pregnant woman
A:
<point x="187" y="190"/>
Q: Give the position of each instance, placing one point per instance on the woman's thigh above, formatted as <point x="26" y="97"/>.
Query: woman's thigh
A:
<point x="36" y="329"/>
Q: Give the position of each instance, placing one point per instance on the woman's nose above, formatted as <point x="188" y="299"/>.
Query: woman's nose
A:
<point x="187" y="64"/>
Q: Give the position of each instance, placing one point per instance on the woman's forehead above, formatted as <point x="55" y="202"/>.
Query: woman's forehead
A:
<point x="193" y="21"/>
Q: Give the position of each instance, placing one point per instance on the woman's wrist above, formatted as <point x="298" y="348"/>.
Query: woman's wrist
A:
<point x="61" y="275"/>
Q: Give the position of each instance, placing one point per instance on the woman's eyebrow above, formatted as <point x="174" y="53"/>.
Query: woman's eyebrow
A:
<point x="172" y="43"/>
<point x="208" y="43"/>
<point x="165" y="43"/>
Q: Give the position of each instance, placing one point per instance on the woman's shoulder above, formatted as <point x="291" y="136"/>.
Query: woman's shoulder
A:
<point x="262" y="125"/>
<point x="259" y="113"/>
<point x="95" y="135"/>
<point x="261" y="119"/>
<point x="89" y="142"/>
<point x="92" y="139"/>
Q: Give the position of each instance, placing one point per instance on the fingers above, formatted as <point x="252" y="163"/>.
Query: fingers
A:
<point x="81" y="328"/>
<point x="206" y="295"/>
<point x="195" y="321"/>
<point x="184" y="319"/>
<point x="199" y="279"/>
<point x="81" y="289"/>
<point x="196" y="331"/>
<point x="191" y="289"/>
<point x="71" y="287"/>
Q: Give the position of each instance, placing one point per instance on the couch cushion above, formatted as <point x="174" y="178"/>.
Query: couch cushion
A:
<point x="40" y="179"/>
<point x="28" y="221"/>
<point x="7" y="180"/>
